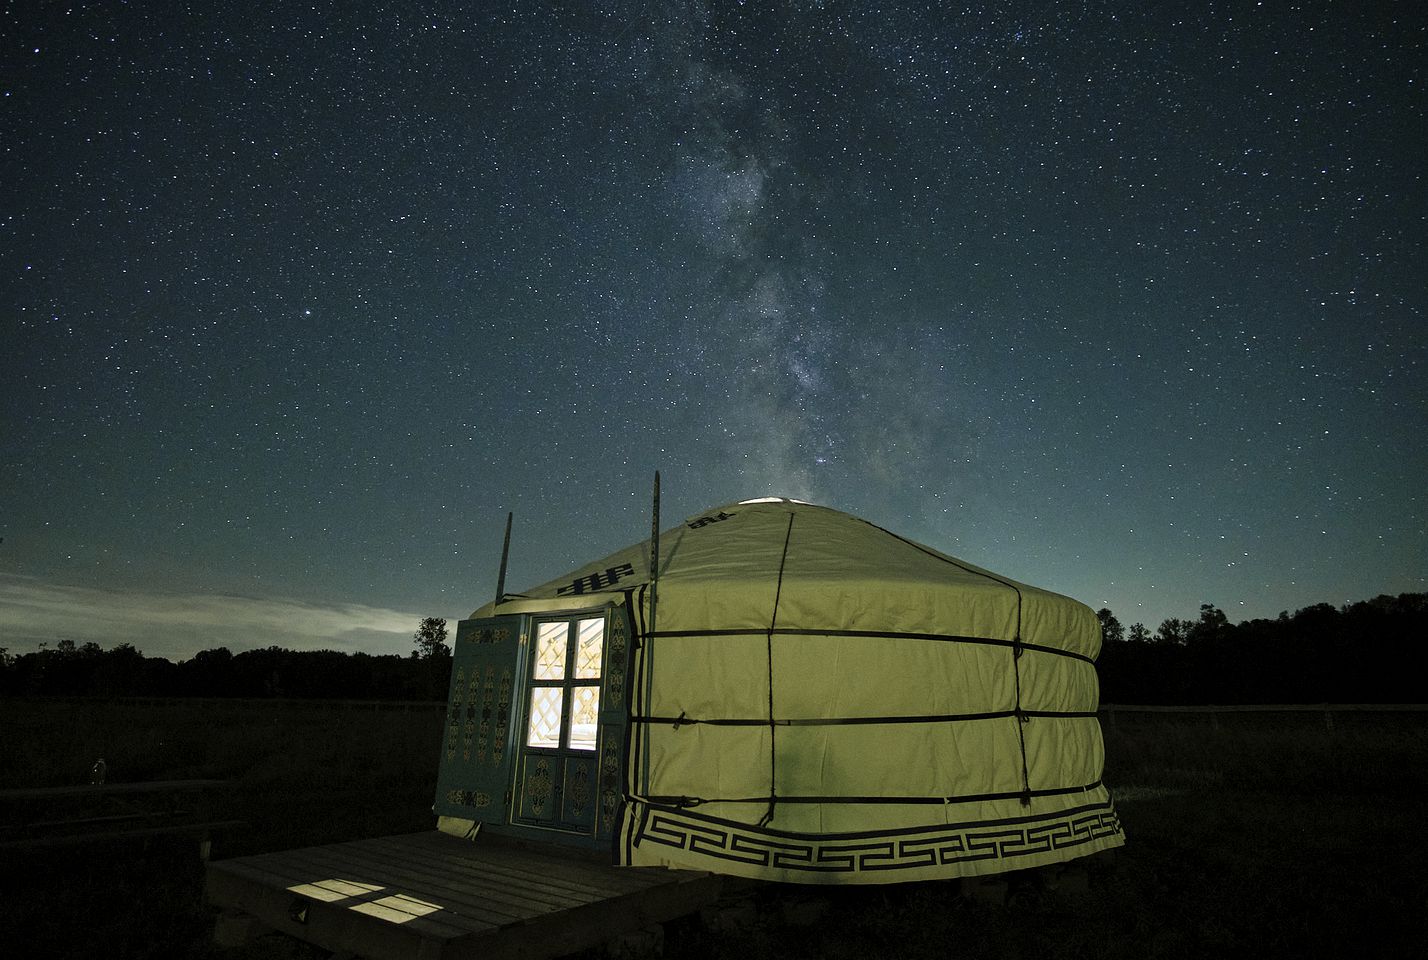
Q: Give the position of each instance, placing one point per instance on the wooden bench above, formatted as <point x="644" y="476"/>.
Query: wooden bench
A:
<point x="32" y="817"/>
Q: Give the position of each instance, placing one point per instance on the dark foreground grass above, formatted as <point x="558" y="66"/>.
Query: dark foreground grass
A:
<point x="1254" y="833"/>
<point x="297" y="774"/>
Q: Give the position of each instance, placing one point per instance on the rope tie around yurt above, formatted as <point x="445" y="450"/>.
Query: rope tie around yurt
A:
<point x="683" y="801"/>
<point x="1022" y="717"/>
<point x="773" y="724"/>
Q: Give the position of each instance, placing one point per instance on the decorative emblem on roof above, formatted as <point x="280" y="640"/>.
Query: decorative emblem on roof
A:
<point x="593" y="582"/>
<point x="705" y="521"/>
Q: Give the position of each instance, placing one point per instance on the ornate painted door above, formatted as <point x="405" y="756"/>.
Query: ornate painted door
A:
<point x="474" y="778"/>
<point x="573" y="720"/>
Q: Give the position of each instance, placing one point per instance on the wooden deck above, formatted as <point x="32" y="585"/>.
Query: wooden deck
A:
<point x="431" y="895"/>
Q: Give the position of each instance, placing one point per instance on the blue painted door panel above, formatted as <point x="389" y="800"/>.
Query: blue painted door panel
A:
<point x="474" y="776"/>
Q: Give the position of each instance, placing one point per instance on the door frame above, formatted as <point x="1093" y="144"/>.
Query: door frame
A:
<point x="604" y="766"/>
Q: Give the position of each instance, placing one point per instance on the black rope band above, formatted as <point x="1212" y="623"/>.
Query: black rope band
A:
<point x="1015" y="643"/>
<point x="684" y="720"/>
<point x="685" y="802"/>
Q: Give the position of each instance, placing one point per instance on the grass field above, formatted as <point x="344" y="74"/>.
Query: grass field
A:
<point x="1246" y="832"/>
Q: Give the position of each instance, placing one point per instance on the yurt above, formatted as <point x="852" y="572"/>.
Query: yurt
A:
<point x="787" y="693"/>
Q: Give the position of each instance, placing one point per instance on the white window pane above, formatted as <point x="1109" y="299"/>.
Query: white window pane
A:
<point x="544" y="727"/>
<point x="584" y="715"/>
<point x="591" y="639"/>
<point x="550" y="651"/>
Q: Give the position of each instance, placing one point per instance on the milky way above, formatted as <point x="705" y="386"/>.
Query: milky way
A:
<point x="1119" y="299"/>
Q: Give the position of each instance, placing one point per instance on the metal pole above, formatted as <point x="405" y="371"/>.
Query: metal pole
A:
<point x="654" y="554"/>
<point x="505" y="554"/>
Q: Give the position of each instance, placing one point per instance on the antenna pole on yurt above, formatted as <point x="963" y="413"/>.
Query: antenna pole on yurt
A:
<point x="505" y="555"/>
<point x="654" y="553"/>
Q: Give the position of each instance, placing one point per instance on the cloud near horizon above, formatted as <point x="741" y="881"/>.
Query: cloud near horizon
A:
<point x="176" y="626"/>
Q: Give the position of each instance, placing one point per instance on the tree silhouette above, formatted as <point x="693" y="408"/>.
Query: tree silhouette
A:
<point x="1172" y="631"/>
<point x="1111" y="629"/>
<point x="1212" y="625"/>
<point x="431" y="639"/>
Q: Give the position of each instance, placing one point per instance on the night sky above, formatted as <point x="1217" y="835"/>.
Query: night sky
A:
<point x="1124" y="300"/>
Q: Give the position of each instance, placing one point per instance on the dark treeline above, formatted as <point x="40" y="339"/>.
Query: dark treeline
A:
<point x="69" y="670"/>
<point x="1357" y="653"/>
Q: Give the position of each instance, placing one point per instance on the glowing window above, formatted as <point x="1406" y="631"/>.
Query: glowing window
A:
<point x="591" y="640"/>
<point x="544" y="727"/>
<point x="566" y="665"/>
<point x="584" y="717"/>
<point x="550" y="651"/>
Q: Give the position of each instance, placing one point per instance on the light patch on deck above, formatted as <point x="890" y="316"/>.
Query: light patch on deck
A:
<point x="397" y="909"/>
<point x="329" y="890"/>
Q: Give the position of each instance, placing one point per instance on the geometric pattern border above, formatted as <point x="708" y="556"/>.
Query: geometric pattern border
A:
<point x="901" y="850"/>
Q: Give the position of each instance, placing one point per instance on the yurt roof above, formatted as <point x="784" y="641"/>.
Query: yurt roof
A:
<point x="742" y="566"/>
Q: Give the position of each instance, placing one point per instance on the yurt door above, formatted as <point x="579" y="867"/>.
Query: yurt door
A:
<point x="473" y="782"/>
<point x="573" y="722"/>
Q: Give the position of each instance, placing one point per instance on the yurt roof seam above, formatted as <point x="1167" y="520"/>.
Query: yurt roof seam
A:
<point x="945" y="559"/>
<point x="773" y="622"/>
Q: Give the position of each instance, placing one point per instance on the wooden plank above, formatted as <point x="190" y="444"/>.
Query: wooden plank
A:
<point x="521" y="867"/>
<point x="543" y="860"/>
<point x="523" y="889"/>
<point x="593" y="924"/>
<point x="546" y="863"/>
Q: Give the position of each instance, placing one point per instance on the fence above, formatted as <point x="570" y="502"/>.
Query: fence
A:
<point x="1327" y="710"/>
<point x="439" y="706"/>
<point x="312" y="703"/>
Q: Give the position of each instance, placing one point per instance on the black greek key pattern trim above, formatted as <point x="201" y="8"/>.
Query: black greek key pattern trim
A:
<point x="851" y="853"/>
